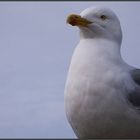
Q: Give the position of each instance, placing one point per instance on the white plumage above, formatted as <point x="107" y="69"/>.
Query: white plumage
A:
<point x="99" y="81"/>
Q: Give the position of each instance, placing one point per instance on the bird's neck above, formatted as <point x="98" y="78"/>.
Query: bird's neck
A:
<point x="102" y="48"/>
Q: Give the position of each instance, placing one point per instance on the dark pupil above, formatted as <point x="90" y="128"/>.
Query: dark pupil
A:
<point x="103" y="17"/>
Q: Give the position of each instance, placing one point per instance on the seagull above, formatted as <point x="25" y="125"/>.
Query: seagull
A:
<point x="102" y="92"/>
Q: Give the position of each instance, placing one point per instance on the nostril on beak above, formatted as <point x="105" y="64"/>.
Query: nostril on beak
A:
<point x="76" y="17"/>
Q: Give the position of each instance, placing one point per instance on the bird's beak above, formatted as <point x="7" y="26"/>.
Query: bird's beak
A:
<point x="77" y="20"/>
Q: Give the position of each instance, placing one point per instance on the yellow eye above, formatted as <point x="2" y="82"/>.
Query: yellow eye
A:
<point x="103" y="17"/>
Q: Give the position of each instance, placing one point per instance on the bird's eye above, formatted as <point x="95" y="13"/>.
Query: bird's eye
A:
<point x="103" y="17"/>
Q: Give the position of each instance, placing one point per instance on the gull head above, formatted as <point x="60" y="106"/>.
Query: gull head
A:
<point x="97" y="22"/>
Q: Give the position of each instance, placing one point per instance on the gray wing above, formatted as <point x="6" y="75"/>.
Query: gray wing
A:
<point x="134" y="97"/>
<point x="136" y="75"/>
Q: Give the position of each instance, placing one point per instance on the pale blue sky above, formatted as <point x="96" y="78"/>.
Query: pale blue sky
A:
<point x="36" y="46"/>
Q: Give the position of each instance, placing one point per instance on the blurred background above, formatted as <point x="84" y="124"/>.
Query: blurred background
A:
<point x="36" y="46"/>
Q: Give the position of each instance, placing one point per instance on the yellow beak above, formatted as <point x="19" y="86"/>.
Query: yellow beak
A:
<point x="77" y="20"/>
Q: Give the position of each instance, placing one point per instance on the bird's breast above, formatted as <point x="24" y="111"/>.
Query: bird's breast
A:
<point x="94" y="84"/>
<point x="92" y="75"/>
